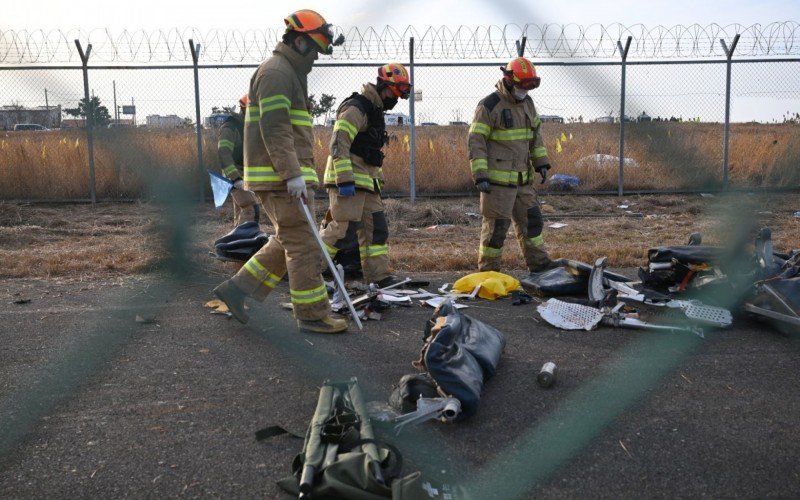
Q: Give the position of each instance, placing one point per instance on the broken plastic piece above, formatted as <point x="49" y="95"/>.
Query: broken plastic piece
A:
<point x="443" y="409"/>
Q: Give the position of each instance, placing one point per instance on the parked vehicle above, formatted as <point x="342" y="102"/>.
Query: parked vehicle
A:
<point x="19" y="127"/>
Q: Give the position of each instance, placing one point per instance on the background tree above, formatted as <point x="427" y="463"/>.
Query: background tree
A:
<point x="323" y="107"/>
<point x="94" y="112"/>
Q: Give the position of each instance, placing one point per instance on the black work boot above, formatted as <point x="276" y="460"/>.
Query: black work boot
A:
<point x="389" y="281"/>
<point x="550" y="264"/>
<point x="233" y="297"/>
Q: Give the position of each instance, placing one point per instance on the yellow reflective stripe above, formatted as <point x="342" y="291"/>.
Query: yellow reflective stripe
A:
<point x="507" y="176"/>
<point x="363" y="180"/>
<point x="274" y="102"/>
<point x="536" y="121"/>
<point x="230" y="170"/>
<point x="329" y="176"/>
<point x="332" y="251"/>
<point x="539" y="152"/>
<point x="300" y="117"/>
<point x="480" y="128"/>
<point x="478" y="164"/>
<point x="253" y="114"/>
<point x="536" y="241"/>
<point x="376" y="250"/>
<point x="261" y="273"/>
<point x="512" y="134"/>
<point x="490" y="252"/>
<point x="342" y="165"/>
<point x="309" y="296"/>
<point x="345" y="125"/>
<point x="225" y="144"/>
<point x="268" y="174"/>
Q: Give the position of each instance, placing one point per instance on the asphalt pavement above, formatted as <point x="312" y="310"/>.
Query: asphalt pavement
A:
<point x="94" y="403"/>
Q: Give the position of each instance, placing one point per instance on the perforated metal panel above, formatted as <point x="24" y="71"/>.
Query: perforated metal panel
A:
<point x="569" y="316"/>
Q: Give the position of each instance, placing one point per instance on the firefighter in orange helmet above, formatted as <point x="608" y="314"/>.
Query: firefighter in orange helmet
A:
<point x="506" y="150"/>
<point x="354" y="173"/>
<point x="279" y="167"/>
<point x="230" y="152"/>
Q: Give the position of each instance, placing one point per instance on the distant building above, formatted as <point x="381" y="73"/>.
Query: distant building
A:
<point x="552" y="118"/>
<point x="169" y="121"/>
<point x="215" y="120"/>
<point x="47" y="116"/>
<point x="396" y="119"/>
<point x="604" y="119"/>
<point x="644" y="117"/>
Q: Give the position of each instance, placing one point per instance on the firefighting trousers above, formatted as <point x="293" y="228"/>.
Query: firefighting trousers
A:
<point x="359" y="215"/>
<point x="293" y="249"/>
<point x="244" y="206"/>
<point x="499" y="208"/>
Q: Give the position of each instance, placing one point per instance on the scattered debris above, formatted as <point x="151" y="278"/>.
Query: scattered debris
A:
<point x="547" y="375"/>
<point x="707" y="195"/>
<point x="437" y="301"/>
<point x="145" y="319"/>
<point x="473" y="215"/>
<point x="557" y="225"/>
<point x="22" y="301"/>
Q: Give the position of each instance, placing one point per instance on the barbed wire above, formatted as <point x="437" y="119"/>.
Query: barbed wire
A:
<point x="547" y="41"/>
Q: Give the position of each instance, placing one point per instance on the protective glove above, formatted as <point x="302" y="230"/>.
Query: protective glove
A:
<point x="542" y="171"/>
<point x="296" y="186"/>
<point x="347" y="190"/>
<point x="238" y="184"/>
<point x="483" y="186"/>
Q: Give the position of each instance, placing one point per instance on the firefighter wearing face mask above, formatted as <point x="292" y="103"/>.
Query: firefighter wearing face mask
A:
<point x="231" y="160"/>
<point x="354" y="174"/>
<point x="279" y="167"/>
<point x="506" y="151"/>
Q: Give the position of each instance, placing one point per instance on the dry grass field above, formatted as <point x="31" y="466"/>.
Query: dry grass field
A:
<point x="81" y="241"/>
<point x="53" y="165"/>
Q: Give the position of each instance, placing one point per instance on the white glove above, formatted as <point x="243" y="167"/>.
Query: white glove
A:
<point x="296" y="186"/>
<point x="238" y="184"/>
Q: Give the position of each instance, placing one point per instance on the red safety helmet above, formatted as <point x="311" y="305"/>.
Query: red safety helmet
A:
<point x="314" y="25"/>
<point x="244" y="101"/>
<point x="395" y="76"/>
<point x="520" y="72"/>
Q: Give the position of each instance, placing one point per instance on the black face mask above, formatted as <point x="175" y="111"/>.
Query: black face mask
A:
<point x="390" y="103"/>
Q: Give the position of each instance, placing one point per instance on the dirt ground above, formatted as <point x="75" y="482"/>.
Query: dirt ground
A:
<point x="95" y="403"/>
<point x="86" y="241"/>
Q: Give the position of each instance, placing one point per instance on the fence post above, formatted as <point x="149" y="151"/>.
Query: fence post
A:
<point x="726" y="138"/>
<point x="412" y="181"/>
<point x="521" y="46"/>
<point x="624" y="53"/>
<point x="89" y="110"/>
<point x="195" y="57"/>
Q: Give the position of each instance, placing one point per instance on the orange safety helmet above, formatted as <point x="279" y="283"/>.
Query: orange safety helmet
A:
<point x="521" y="73"/>
<point x="395" y="76"/>
<point x="314" y="25"/>
<point x="244" y="101"/>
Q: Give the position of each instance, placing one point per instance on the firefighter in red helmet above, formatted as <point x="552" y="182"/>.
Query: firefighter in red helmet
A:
<point x="506" y="151"/>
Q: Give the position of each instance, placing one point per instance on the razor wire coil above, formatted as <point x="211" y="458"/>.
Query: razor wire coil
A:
<point x="546" y="41"/>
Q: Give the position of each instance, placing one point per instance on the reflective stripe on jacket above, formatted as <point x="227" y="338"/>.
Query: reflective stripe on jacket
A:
<point x="229" y="148"/>
<point x="278" y="130"/>
<point x="344" y="167"/>
<point x="505" y="140"/>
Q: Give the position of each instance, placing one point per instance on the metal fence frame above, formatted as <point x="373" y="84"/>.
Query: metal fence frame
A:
<point x="195" y="50"/>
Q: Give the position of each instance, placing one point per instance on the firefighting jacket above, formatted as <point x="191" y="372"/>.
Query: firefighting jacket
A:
<point x="229" y="147"/>
<point x="358" y="134"/>
<point x="278" y="130"/>
<point x="505" y="140"/>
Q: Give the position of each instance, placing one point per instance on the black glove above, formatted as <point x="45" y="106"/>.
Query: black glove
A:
<point x="483" y="186"/>
<point x="542" y="170"/>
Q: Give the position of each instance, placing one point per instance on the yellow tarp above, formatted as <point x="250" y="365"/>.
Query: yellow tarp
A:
<point x="493" y="284"/>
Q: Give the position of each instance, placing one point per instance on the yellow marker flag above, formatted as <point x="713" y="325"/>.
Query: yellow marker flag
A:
<point x="570" y="136"/>
<point x="319" y="142"/>
<point x="669" y="133"/>
<point x="63" y="140"/>
<point x="430" y="144"/>
<point x="558" y="146"/>
<point x="44" y="154"/>
<point x="405" y="141"/>
<point x="563" y="137"/>
<point x="77" y="142"/>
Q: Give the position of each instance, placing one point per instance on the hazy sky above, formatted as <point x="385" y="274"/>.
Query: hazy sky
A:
<point x="252" y="14"/>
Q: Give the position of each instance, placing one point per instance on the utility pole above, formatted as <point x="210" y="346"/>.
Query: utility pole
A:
<point x="116" y="109"/>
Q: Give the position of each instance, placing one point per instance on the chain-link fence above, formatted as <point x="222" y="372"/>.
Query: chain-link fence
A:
<point x="672" y="137"/>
